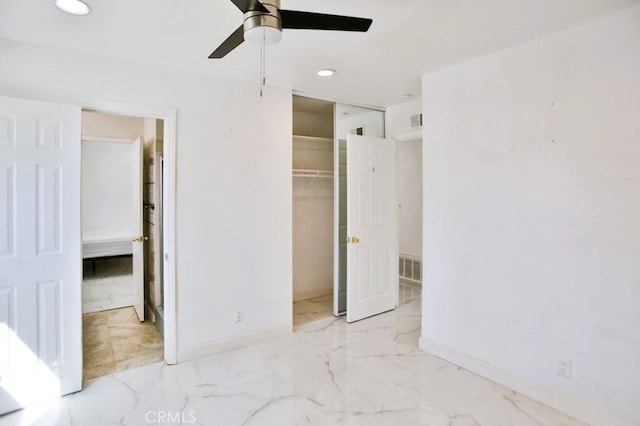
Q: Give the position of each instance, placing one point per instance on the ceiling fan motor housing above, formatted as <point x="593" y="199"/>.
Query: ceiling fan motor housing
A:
<point x="263" y="28"/>
<point x="264" y="20"/>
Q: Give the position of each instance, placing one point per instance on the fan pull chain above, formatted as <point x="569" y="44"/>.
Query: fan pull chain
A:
<point x="263" y="55"/>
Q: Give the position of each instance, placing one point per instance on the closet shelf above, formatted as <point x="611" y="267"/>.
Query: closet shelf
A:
<point x="316" y="139"/>
<point x="312" y="143"/>
<point x="306" y="173"/>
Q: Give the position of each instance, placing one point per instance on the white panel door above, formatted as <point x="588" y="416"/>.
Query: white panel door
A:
<point x="372" y="229"/>
<point x="40" y="252"/>
<point x="138" y="229"/>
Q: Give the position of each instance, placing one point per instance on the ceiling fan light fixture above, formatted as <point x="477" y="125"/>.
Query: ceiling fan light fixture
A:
<point x="73" y="7"/>
<point x="260" y="35"/>
<point x="326" y="72"/>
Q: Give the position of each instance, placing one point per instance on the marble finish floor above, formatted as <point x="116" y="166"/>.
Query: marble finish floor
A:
<point x="370" y="372"/>
<point x="116" y="340"/>
<point x="107" y="283"/>
<point x="409" y="292"/>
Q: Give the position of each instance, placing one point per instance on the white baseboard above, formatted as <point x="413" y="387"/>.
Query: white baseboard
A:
<point x="232" y="343"/>
<point x="148" y="313"/>
<point x="310" y="294"/>
<point x="578" y="409"/>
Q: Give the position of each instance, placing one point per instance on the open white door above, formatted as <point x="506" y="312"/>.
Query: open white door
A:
<point x="138" y="238"/>
<point x="372" y="230"/>
<point x="40" y="252"/>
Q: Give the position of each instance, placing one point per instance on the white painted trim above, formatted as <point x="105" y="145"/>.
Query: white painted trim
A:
<point x="149" y="312"/>
<point x="312" y="139"/>
<point x="336" y="100"/>
<point x="336" y="214"/>
<point x="581" y="410"/>
<point x="169" y="238"/>
<point x="169" y="208"/>
<point x="201" y="351"/>
<point x="318" y="324"/>
<point x="409" y="136"/>
<point x="311" y="294"/>
<point x="106" y="139"/>
<point x="312" y="143"/>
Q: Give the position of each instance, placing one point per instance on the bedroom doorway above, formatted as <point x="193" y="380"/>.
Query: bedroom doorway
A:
<point x="122" y="291"/>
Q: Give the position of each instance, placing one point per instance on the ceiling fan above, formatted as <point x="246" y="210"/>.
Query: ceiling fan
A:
<point x="264" y="22"/>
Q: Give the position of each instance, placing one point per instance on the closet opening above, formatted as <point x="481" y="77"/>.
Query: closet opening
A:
<point x="313" y="209"/>
<point x="122" y="288"/>
<point x="324" y="133"/>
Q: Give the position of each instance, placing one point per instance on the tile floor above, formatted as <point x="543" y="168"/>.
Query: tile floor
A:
<point x="116" y="340"/>
<point x="309" y="310"/>
<point x="325" y="372"/>
<point x="107" y="283"/>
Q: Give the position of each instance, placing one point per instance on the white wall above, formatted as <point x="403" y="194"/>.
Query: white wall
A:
<point x="233" y="181"/>
<point x="410" y="197"/>
<point x="371" y="120"/>
<point x="107" y="189"/>
<point x="312" y="211"/>
<point x="107" y="173"/>
<point x="111" y="125"/>
<point x="531" y="211"/>
<point x="398" y="121"/>
<point x="312" y="206"/>
<point x="307" y="123"/>
<point x="398" y="117"/>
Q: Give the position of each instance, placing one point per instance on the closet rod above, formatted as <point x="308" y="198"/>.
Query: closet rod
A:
<point x="326" y="174"/>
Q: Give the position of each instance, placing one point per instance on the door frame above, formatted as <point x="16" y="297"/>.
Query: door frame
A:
<point x="169" y="116"/>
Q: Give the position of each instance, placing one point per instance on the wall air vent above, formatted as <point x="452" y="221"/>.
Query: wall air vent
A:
<point x="416" y="121"/>
<point x="410" y="268"/>
<point x="357" y="131"/>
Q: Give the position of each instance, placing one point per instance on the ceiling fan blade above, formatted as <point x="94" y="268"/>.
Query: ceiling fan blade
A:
<point x="233" y="41"/>
<point x="250" y="6"/>
<point x="320" y="21"/>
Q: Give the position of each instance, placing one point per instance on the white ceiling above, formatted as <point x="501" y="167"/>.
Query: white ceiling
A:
<point x="407" y="38"/>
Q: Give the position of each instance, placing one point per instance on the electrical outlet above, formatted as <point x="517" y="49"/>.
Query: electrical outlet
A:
<point x="238" y="315"/>
<point x="564" y="367"/>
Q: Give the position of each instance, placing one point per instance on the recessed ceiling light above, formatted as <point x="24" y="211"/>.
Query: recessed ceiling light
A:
<point x="74" y="7"/>
<point x="326" y="72"/>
